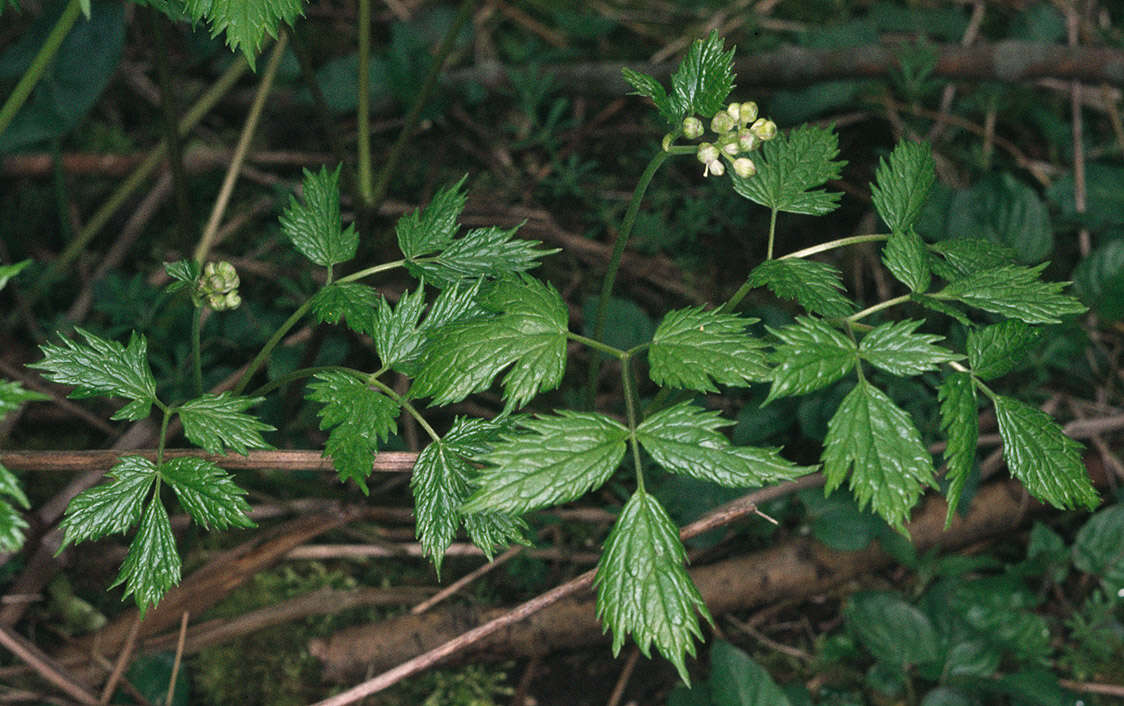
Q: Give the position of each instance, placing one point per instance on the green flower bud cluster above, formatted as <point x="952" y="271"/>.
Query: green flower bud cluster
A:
<point x="739" y="132"/>
<point x="217" y="287"/>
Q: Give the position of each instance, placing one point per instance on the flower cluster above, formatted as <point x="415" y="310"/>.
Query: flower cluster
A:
<point x="218" y="287"/>
<point x="739" y="132"/>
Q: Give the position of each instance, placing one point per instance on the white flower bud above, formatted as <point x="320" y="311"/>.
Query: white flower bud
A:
<point x="763" y="128"/>
<point x="716" y="168"/>
<point x="748" y="112"/>
<point x="731" y="148"/>
<point x="706" y="153"/>
<point x="744" y="167"/>
<point x="734" y="111"/>
<point x="692" y="128"/>
<point x="722" y="123"/>
<point x="747" y="141"/>
<point x="232" y="301"/>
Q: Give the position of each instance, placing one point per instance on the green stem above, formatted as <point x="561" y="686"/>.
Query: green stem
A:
<point x="363" y="110"/>
<point x="372" y="271"/>
<point x="833" y="244"/>
<point x="389" y="392"/>
<point x="772" y="234"/>
<point x="298" y="375"/>
<point x="196" y="358"/>
<point x="464" y="12"/>
<point x="39" y="64"/>
<point x="267" y="349"/>
<point x="597" y="345"/>
<point x="630" y="403"/>
<point x="877" y="307"/>
<point x="168" y="411"/>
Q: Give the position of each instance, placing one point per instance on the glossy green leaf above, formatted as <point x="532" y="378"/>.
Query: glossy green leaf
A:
<point x="966" y="256"/>
<point x="556" y="459"/>
<point x="906" y="258"/>
<point x="649" y="87"/>
<point x="481" y="252"/>
<point x="348" y="301"/>
<point x="902" y="184"/>
<point x="1040" y="455"/>
<point x="360" y="419"/>
<point x="960" y="423"/>
<point x="894" y="631"/>
<point x="455" y="305"/>
<point x="812" y="355"/>
<point x="314" y="227"/>
<point x="941" y="307"/>
<point x="10" y="487"/>
<point x="897" y="349"/>
<point x="643" y="588"/>
<point x="103" y="367"/>
<point x="1016" y="292"/>
<point x="998" y="349"/>
<point x="1104" y="195"/>
<point x="397" y="336"/>
<point x="879" y="444"/>
<point x="1004" y="210"/>
<point x="207" y="492"/>
<point x="1099" y="280"/>
<point x="152" y="565"/>
<point x="218" y="422"/>
<point x="12" y="526"/>
<point x="684" y="439"/>
<point x="245" y="22"/>
<point x="737" y="680"/>
<point x="704" y="78"/>
<point x="1097" y="547"/>
<point x="789" y="170"/>
<point x="693" y="348"/>
<point x="424" y="231"/>
<point x="528" y="335"/>
<point x="112" y="507"/>
<point x="12" y="395"/>
<point x="816" y="286"/>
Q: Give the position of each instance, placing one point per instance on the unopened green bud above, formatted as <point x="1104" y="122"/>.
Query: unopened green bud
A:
<point x="747" y="141"/>
<point x="747" y="113"/>
<point x="722" y="123"/>
<point x="706" y="153"/>
<point x="744" y="167"/>
<point x="716" y="168"/>
<point x="692" y="128"/>
<point x="731" y="148"/>
<point x="763" y="128"/>
<point x="232" y="301"/>
<point x="734" y="111"/>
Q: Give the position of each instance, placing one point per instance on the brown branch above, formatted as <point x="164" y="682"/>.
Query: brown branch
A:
<point x="45" y="666"/>
<point x="295" y="460"/>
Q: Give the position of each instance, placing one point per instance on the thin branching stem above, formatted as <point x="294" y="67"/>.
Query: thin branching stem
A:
<point x="597" y="345"/>
<point x="413" y="412"/>
<point x="878" y="307"/>
<point x="630" y="404"/>
<point x="363" y="109"/>
<point x="196" y="358"/>
<point x="267" y="349"/>
<point x="39" y="64"/>
<point x="835" y="244"/>
<point x="772" y="234"/>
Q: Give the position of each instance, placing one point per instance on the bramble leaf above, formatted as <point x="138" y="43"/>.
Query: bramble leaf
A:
<point x="218" y="422"/>
<point x="693" y="348"/>
<point x="812" y="355"/>
<point x="528" y="334"/>
<point x="1016" y="292"/>
<point x="184" y="272"/>
<point x="396" y="333"/>
<point x="643" y="587"/>
<point x="790" y="166"/>
<point x="347" y="300"/>
<point x="246" y="22"/>
<point x="103" y="367"/>
<point x="966" y="256"/>
<point x="649" y="87"/>
<point x="112" y="507"/>
<point x="9" y="271"/>
<point x="360" y="419"/>
<point x="816" y="286"/>
<point x="905" y="256"/>
<point x="998" y="349"/>
<point x="559" y="458"/>
<point x="902" y="184"/>
<point x="684" y="439"/>
<point x="207" y="492"/>
<point x="440" y="484"/>
<point x="481" y="252"/>
<point x="960" y="422"/>
<point x="704" y="78"/>
<point x="879" y="443"/>
<point x="1040" y="455"/>
<point x="895" y="348"/>
<point x="314" y="226"/>
<point x="12" y="395"/>
<point x="430" y="229"/>
<point x="152" y="565"/>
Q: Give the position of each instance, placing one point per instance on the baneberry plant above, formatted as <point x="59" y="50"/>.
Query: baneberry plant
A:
<point x="477" y="314"/>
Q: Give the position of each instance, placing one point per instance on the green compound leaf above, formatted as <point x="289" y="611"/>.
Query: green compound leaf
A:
<point x="643" y="588"/>
<point x="704" y="78"/>
<point x="424" y="231"/>
<point x="563" y="457"/>
<point x="152" y="565"/>
<point x="967" y="256"/>
<point x="894" y="631"/>
<point x="207" y="492"/>
<point x="960" y="422"/>
<point x="396" y="333"/>
<point x="459" y="304"/>
<point x="1046" y="460"/>
<point x="9" y="271"/>
<point x="482" y="252"/>
<point x="693" y="348"/>
<point x="314" y="227"/>
<point x="879" y="443"/>
<point x="905" y="256"/>
<point x="219" y="422"/>
<point x="440" y="483"/>
<point x="12" y="395"/>
<point x="941" y="307"/>
<point x="895" y="348"/>
<point x="649" y="87"/>
<point x="998" y="349"/>
<point x="184" y="272"/>
<point x="790" y="166"/>
<point x="10" y="486"/>
<point x="816" y="286"/>
<point x="360" y="419"/>
<point x="1016" y="292"/>
<point x="12" y="526"/>
<point x="684" y="439"/>
<point x="347" y="300"/>
<point x="902" y="184"/>
<point x="812" y="355"/>
<point x="246" y="22"/>
<point x="112" y="507"/>
<point x="528" y="334"/>
<point x="101" y="367"/>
